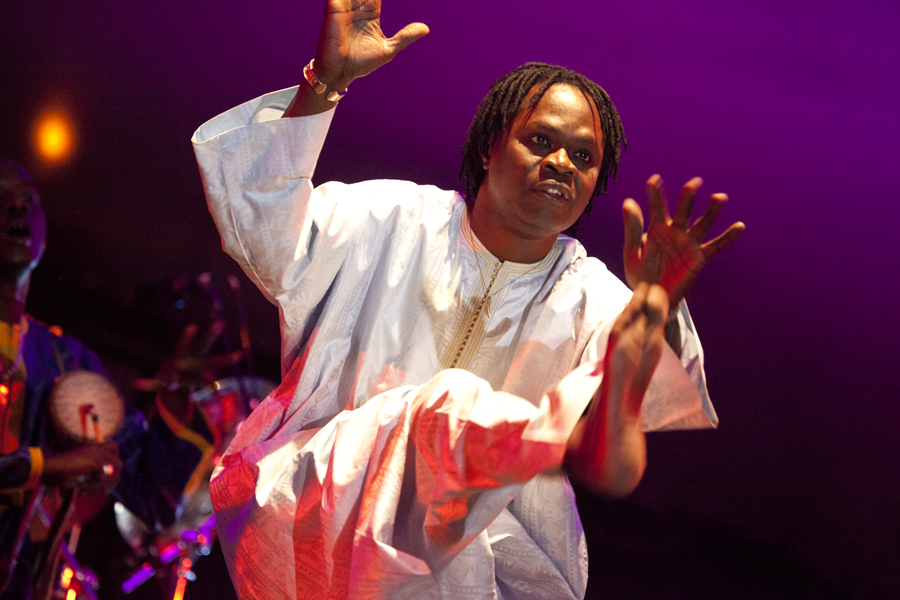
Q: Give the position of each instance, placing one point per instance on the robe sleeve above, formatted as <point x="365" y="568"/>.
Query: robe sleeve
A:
<point x="257" y="173"/>
<point x="677" y="397"/>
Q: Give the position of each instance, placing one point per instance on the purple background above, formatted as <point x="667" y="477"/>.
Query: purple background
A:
<point x="793" y="109"/>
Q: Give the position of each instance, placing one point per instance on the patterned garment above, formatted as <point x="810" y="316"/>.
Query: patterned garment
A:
<point x="334" y="487"/>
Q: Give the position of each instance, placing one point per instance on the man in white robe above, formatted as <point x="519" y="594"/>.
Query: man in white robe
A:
<point x="443" y="362"/>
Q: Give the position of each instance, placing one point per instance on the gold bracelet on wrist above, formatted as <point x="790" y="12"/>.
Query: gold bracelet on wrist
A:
<point x="317" y="86"/>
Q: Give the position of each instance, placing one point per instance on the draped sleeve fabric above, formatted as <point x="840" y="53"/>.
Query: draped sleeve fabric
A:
<point x="393" y="492"/>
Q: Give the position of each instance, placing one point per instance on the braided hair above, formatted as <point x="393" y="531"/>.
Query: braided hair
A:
<point x="505" y="101"/>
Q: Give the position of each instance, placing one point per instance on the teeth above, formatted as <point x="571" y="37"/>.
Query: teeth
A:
<point x="555" y="191"/>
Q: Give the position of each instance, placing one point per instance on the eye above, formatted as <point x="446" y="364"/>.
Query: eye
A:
<point x="540" y="139"/>
<point x="584" y="156"/>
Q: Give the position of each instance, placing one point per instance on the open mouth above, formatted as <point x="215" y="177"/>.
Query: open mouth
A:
<point x="19" y="231"/>
<point x="554" y="191"/>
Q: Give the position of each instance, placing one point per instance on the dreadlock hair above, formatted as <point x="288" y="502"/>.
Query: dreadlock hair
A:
<point x="505" y="101"/>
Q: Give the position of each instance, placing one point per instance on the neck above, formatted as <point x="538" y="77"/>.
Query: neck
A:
<point x="13" y="293"/>
<point x="506" y="244"/>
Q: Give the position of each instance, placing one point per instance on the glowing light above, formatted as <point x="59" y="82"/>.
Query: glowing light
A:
<point x="72" y="594"/>
<point x="54" y="137"/>
<point x="66" y="578"/>
<point x="179" y="588"/>
<point x="143" y="574"/>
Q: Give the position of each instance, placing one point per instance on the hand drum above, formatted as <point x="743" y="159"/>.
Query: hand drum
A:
<point x="86" y="407"/>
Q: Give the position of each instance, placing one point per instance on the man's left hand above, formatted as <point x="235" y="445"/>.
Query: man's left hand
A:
<point x="189" y="366"/>
<point x="671" y="253"/>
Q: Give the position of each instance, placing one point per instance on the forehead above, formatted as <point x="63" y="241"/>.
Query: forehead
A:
<point x="564" y="108"/>
<point x="13" y="186"/>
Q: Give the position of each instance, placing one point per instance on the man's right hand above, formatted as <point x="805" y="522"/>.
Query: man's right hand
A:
<point x="607" y="450"/>
<point x="351" y="45"/>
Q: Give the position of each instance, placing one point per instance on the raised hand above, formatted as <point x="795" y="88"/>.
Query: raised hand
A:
<point x="670" y="253"/>
<point x="352" y="45"/>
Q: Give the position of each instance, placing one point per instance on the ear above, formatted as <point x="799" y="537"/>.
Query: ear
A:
<point x="486" y="159"/>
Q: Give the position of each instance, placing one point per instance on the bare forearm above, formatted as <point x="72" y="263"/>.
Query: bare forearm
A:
<point x="609" y="465"/>
<point x="607" y="450"/>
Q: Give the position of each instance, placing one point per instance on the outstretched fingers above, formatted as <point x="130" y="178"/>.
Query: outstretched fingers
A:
<point x="634" y="227"/>
<point x="406" y="36"/>
<point x="659" y="204"/>
<point x="702" y="226"/>
<point x="714" y="246"/>
<point x="686" y="203"/>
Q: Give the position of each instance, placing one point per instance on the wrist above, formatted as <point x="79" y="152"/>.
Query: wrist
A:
<point x="330" y="86"/>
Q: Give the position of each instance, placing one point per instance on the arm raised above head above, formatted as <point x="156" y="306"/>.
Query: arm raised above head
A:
<point x="351" y="45"/>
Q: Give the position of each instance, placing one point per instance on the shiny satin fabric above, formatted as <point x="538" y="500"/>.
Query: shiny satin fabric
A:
<point x="381" y="288"/>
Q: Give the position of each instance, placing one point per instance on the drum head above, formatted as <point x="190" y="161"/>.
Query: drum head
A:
<point x="86" y="407"/>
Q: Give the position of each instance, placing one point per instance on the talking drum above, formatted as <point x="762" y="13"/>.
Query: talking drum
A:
<point x="86" y="407"/>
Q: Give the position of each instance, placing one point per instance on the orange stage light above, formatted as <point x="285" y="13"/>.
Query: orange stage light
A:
<point x="66" y="578"/>
<point x="54" y="136"/>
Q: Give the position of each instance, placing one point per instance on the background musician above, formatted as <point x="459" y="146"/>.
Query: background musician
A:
<point x="144" y="465"/>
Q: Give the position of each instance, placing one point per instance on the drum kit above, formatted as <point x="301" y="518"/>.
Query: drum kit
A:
<point x="171" y="553"/>
<point x="88" y="409"/>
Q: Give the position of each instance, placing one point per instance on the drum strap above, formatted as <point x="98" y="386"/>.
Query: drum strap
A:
<point x="57" y="355"/>
<point x="47" y="565"/>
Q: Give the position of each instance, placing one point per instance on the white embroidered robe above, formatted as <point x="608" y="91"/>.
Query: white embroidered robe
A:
<point x="413" y="448"/>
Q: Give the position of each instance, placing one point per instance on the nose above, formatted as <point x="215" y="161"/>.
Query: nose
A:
<point x="559" y="162"/>
<point x="15" y="203"/>
<point x="16" y="207"/>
